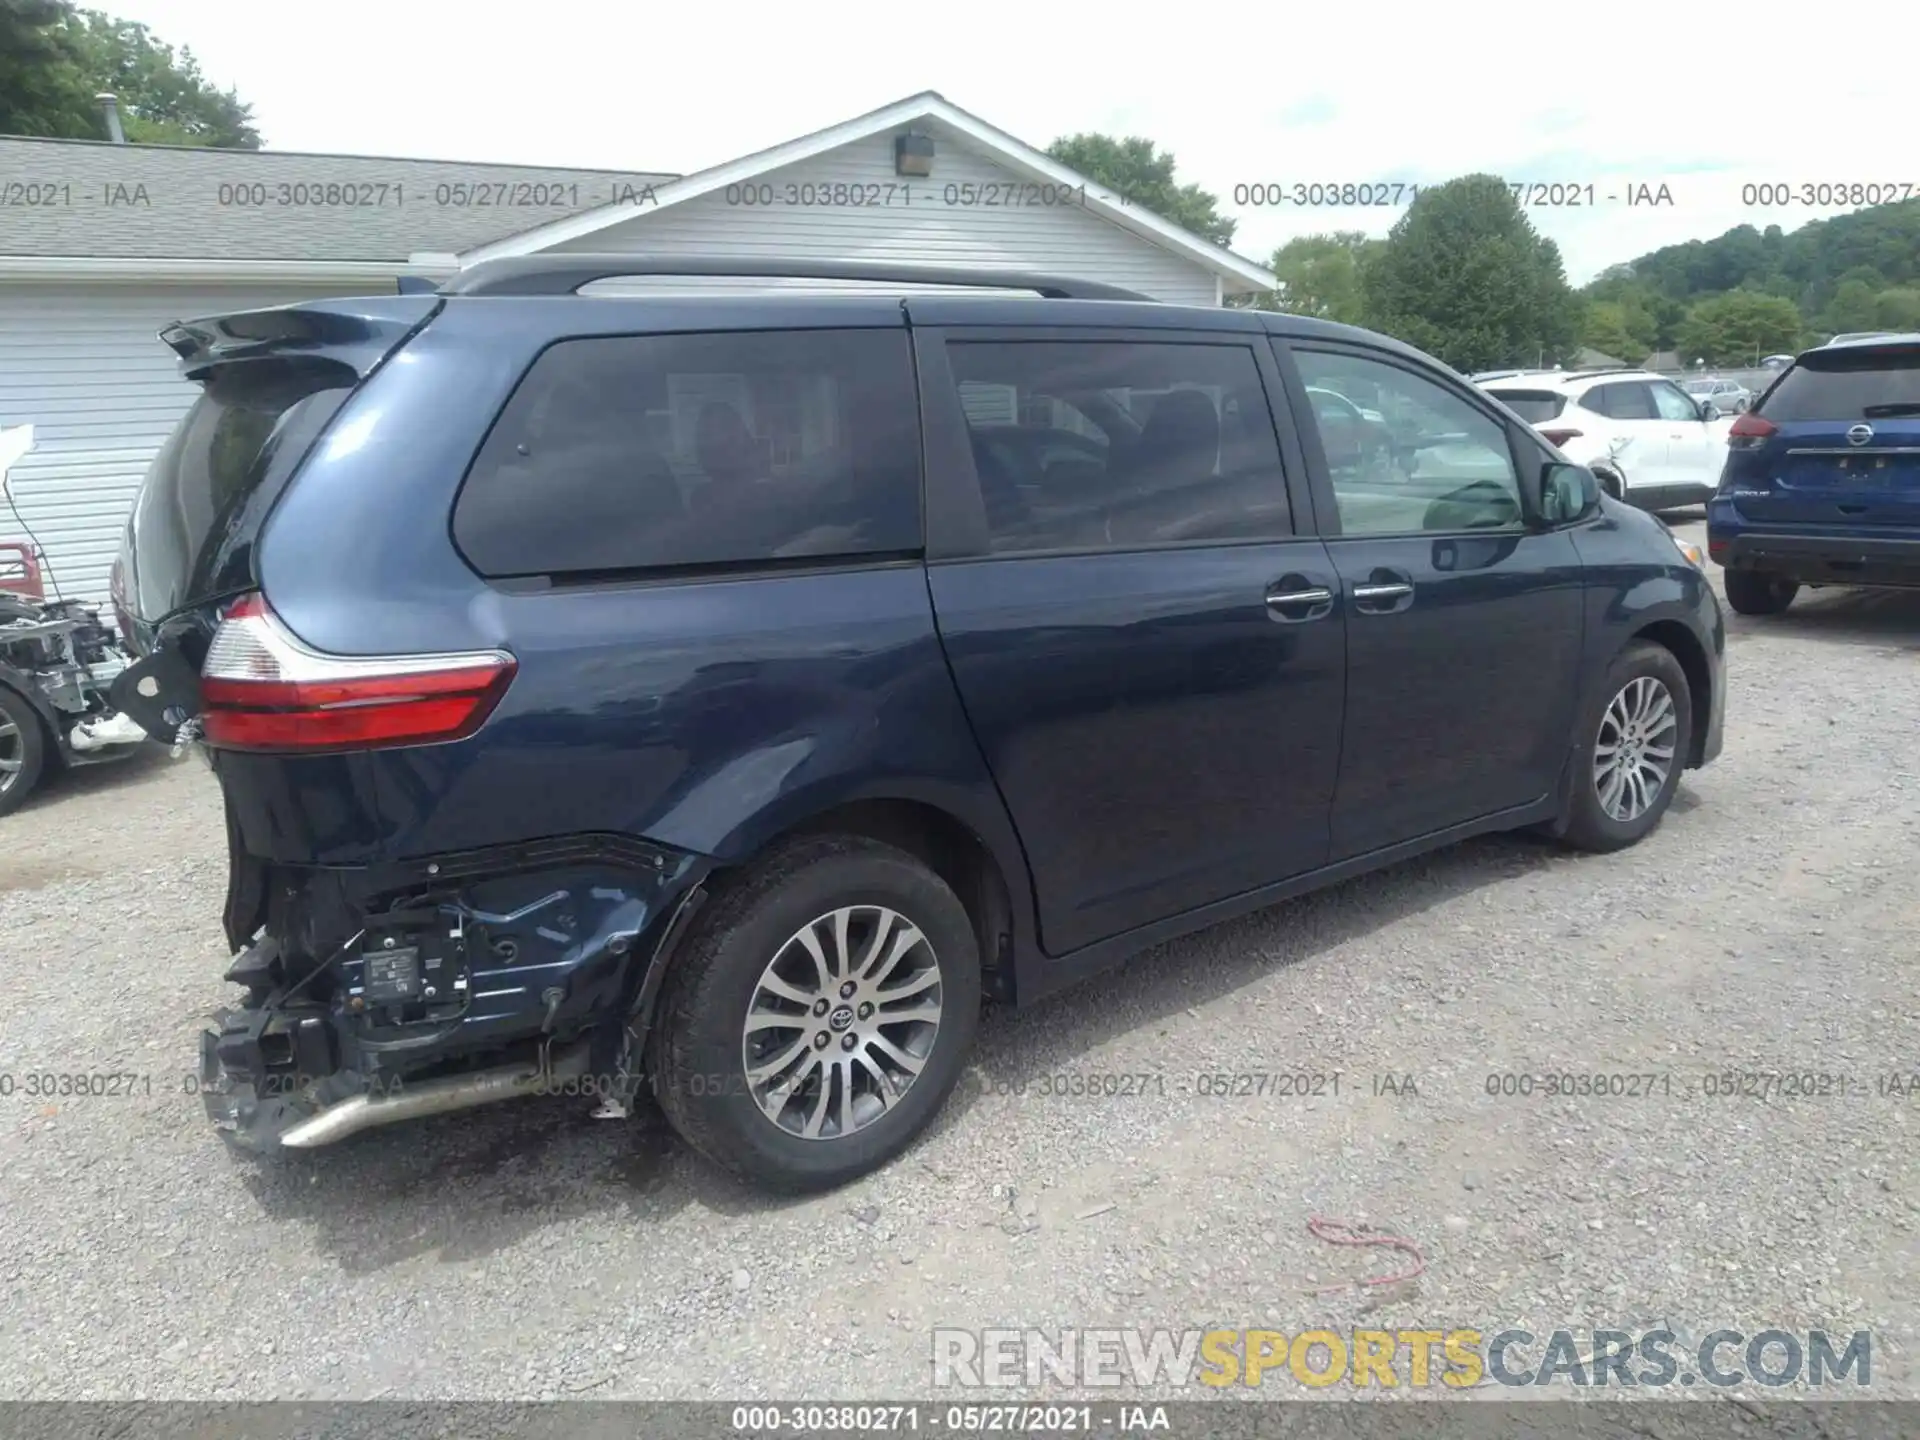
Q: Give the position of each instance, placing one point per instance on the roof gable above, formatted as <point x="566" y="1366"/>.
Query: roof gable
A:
<point x="928" y="110"/>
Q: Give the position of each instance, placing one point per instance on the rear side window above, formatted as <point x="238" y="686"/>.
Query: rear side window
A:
<point x="1861" y="386"/>
<point x="1631" y="401"/>
<point x="1105" y="445"/>
<point x="1536" y="407"/>
<point x="644" y="452"/>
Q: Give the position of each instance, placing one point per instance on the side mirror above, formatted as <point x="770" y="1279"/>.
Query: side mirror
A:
<point x="1568" y="493"/>
<point x="1709" y="410"/>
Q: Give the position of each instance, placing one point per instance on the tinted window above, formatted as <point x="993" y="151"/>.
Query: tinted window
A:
<point x="200" y="481"/>
<point x="1621" y="402"/>
<point x="1867" y="386"/>
<point x="671" y="450"/>
<point x="1536" y="407"/>
<point x="1673" y="405"/>
<point x="1111" y="446"/>
<point x="1404" y="453"/>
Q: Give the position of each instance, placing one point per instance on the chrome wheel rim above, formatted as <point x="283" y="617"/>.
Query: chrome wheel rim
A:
<point x="1633" y="755"/>
<point x="842" y="1022"/>
<point x="13" y="752"/>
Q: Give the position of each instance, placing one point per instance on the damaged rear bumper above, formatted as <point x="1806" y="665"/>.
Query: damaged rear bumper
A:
<point x="464" y="980"/>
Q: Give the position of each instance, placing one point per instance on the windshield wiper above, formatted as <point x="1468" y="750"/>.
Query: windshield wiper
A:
<point x="1883" y="412"/>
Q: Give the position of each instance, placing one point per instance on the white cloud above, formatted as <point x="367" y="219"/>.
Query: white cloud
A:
<point x="1240" y="93"/>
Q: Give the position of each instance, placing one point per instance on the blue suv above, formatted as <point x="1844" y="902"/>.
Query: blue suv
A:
<point x="1822" y="480"/>
<point x="720" y="696"/>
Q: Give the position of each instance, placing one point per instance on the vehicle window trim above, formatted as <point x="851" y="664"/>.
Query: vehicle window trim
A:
<point x="955" y="510"/>
<point x="853" y="560"/>
<point x="1326" y="500"/>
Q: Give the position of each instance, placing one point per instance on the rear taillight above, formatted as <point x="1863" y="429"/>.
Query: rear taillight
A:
<point x="263" y="689"/>
<point x="1750" y="431"/>
<point x="1559" y="436"/>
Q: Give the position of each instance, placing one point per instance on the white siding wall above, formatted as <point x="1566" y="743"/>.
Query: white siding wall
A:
<point x="1062" y="239"/>
<point x="86" y="369"/>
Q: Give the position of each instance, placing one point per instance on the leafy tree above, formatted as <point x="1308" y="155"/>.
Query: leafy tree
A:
<point x="1855" y="306"/>
<point x="55" y="58"/>
<point x="1604" y="327"/>
<point x="42" y="88"/>
<point x="1898" y="309"/>
<point x="164" y="99"/>
<point x="1464" y="274"/>
<point x="1144" y="175"/>
<point x="1738" y="327"/>
<point x="1321" y="275"/>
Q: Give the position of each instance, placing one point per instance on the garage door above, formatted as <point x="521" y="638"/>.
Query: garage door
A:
<point x="85" y="368"/>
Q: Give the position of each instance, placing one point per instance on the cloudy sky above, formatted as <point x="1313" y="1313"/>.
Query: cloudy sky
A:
<point x="1241" y="94"/>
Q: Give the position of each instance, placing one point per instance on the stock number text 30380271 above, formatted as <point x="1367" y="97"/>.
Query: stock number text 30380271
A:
<point x="1528" y="194"/>
<point x="882" y="194"/>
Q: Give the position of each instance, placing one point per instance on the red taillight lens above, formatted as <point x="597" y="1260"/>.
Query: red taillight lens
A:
<point x="1749" y="431"/>
<point x="1559" y="436"/>
<point x="263" y="689"/>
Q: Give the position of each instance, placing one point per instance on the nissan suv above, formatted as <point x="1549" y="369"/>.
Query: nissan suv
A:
<point x="1822" y="480"/>
<point x="719" y="696"/>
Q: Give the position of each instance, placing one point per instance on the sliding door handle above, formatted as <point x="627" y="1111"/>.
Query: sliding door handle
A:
<point x="1382" y="592"/>
<point x="1294" y="598"/>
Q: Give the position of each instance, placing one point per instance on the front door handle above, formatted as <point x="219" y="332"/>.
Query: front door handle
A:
<point x="1383" y="592"/>
<point x="1295" y="598"/>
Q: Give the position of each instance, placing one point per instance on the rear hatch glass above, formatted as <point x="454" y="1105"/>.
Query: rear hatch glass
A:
<point x="1536" y="407"/>
<point x="270" y="381"/>
<point x="1847" y="446"/>
<point x="195" y="501"/>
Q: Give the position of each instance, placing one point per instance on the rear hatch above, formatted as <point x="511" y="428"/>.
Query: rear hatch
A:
<point x="1834" y="441"/>
<point x="271" y="381"/>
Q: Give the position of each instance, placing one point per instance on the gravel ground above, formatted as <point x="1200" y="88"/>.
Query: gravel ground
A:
<point x="528" y="1251"/>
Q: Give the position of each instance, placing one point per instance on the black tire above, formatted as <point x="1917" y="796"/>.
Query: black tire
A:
<point x="27" y="743"/>
<point x="1751" y="593"/>
<point x="695" y="1061"/>
<point x="1611" y="484"/>
<point x="1590" y="826"/>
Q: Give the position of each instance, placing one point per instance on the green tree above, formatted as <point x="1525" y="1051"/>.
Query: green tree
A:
<point x="1898" y="309"/>
<point x="55" y="58"/>
<point x="43" y="90"/>
<point x="1136" y="169"/>
<point x="1855" y="306"/>
<point x="1738" y="327"/>
<point x="1604" y="327"/>
<point x="1464" y="274"/>
<point x="164" y="99"/>
<point x="1322" y="275"/>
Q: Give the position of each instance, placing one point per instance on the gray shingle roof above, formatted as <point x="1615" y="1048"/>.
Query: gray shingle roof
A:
<point x="89" y="197"/>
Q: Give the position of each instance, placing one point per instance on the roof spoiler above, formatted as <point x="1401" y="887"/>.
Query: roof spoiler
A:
<point x="357" y="333"/>
<point x="565" y="274"/>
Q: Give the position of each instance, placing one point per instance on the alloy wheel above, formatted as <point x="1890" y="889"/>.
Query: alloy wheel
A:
<point x="842" y="1021"/>
<point x="13" y="752"/>
<point x="1634" y="753"/>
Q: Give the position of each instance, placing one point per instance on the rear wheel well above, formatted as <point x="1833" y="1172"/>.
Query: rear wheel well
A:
<point x="1610" y="479"/>
<point x="1677" y="640"/>
<point x="953" y="852"/>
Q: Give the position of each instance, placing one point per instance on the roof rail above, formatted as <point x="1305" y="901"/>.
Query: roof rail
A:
<point x="1603" y="370"/>
<point x="565" y="274"/>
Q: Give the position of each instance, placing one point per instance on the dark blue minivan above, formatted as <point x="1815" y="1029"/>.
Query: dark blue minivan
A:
<point x="720" y="696"/>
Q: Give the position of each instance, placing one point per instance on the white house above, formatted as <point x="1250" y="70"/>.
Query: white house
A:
<point x="106" y="243"/>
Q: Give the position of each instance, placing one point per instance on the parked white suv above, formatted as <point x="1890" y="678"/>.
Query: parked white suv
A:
<point x="1649" y="442"/>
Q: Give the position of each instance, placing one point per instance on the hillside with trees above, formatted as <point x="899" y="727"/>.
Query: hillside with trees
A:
<point x="1754" y="291"/>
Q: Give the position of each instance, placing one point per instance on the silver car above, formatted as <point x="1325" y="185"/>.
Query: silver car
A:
<point x="1729" y="397"/>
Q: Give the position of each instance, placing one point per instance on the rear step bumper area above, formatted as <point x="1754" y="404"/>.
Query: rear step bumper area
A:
<point x="1811" y="558"/>
<point x="473" y="989"/>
